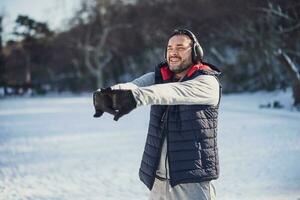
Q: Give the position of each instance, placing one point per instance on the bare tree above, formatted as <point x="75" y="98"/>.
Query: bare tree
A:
<point x="98" y="56"/>
<point x="96" y="27"/>
<point x="293" y="73"/>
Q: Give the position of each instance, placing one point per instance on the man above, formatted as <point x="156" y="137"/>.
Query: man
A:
<point x="180" y="157"/>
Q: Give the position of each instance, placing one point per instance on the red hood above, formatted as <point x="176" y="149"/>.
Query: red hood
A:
<point x="168" y="74"/>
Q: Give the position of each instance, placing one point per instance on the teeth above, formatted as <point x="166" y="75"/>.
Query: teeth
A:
<point x="174" y="59"/>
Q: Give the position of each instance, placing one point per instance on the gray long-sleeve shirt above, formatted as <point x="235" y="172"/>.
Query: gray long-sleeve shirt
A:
<point x="203" y="89"/>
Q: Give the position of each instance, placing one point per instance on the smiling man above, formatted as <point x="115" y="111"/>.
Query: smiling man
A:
<point x="179" y="54"/>
<point x="181" y="156"/>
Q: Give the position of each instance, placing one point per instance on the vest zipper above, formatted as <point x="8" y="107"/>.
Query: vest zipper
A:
<point x="163" y="121"/>
<point x="167" y="153"/>
<point x="168" y="159"/>
<point x="166" y="162"/>
<point x="167" y="135"/>
<point x="162" y="131"/>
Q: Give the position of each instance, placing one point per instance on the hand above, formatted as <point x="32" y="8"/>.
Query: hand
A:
<point x="123" y="102"/>
<point x="102" y="101"/>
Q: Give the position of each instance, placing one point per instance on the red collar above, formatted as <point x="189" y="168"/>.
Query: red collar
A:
<point x="168" y="74"/>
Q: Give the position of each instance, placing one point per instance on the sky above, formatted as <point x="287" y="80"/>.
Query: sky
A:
<point x="55" y="12"/>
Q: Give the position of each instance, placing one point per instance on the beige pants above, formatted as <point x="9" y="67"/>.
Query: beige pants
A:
<point x="162" y="190"/>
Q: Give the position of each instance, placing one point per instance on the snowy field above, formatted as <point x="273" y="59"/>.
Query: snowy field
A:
<point x="51" y="148"/>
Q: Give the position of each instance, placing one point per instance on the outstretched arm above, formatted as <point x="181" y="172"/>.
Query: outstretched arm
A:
<point x="201" y="90"/>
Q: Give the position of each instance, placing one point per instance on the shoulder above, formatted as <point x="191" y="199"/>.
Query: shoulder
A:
<point x="206" y="80"/>
<point x="206" y="77"/>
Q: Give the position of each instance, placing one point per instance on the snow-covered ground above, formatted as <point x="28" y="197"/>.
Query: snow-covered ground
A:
<point x="51" y="148"/>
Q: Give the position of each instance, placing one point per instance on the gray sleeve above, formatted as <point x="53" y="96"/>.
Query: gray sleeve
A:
<point x="201" y="90"/>
<point x="143" y="81"/>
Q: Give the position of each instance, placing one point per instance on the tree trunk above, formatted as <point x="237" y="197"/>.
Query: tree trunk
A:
<point x="99" y="77"/>
<point x="293" y="73"/>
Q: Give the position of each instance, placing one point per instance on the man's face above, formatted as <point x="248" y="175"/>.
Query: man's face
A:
<point x="179" y="53"/>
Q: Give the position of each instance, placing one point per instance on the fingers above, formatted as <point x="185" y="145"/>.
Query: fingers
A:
<point x="110" y="111"/>
<point x="115" y="102"/>
<point x="108" y="89"/>
<point x="103" y="102"/>
<point x="98" y="113"/>
<point x="118" y="115"/>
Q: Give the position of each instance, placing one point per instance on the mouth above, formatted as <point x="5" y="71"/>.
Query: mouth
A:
<point x="174" y="60"/>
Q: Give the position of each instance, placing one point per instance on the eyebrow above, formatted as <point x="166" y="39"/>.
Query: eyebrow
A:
<point x="178" y="45"/>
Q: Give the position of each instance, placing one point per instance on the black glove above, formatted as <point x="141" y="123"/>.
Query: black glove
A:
<point x="123" y="102"/>
<point x="103" y="102"/>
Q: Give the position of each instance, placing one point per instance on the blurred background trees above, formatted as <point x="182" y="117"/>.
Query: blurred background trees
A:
<point x="114" y="41"/>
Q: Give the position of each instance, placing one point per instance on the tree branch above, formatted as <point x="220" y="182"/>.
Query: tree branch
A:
<point x="274" y="12"/>
<point x="287" y="30"/>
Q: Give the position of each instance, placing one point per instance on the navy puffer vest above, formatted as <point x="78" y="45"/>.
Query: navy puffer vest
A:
<point x="191" y="132"/>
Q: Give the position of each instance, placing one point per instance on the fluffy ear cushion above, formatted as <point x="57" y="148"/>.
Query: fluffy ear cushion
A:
<point x="197" y="53"/>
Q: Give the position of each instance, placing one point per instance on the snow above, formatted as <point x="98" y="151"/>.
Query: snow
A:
<point x="51" y="148"/>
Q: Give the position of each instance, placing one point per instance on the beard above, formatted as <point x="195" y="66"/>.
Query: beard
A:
<point x="180" y="66"/>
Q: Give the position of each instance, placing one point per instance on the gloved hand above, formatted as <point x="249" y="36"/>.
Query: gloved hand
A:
<point x="103" y="102"/>
<point x="123" y="102"/>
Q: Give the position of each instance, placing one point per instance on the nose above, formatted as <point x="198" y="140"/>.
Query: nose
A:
<point x="173" y="52"/>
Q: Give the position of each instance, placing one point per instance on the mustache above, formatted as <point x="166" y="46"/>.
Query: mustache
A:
<point x="174" y="57"/>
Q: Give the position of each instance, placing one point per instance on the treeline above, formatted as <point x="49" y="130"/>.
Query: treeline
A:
<point x="112" y="41"/>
